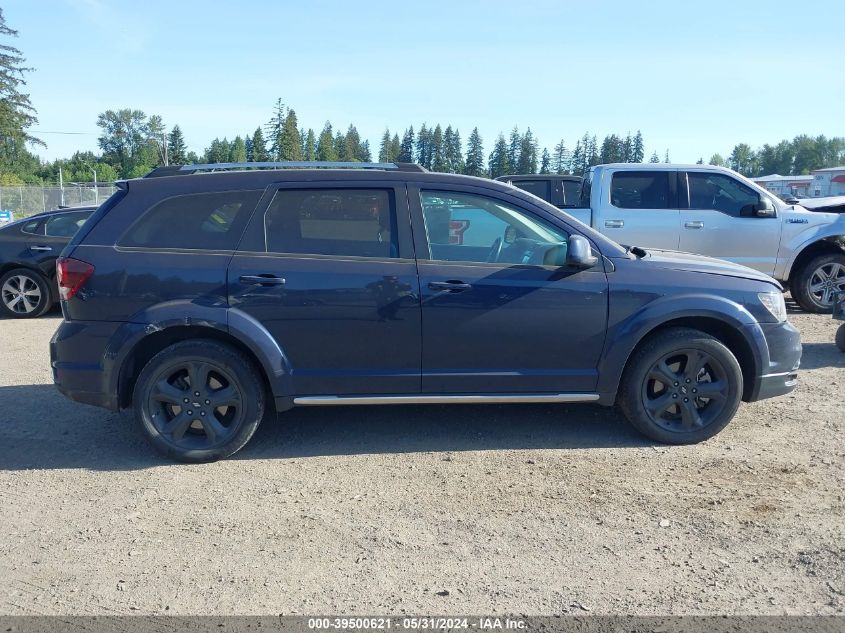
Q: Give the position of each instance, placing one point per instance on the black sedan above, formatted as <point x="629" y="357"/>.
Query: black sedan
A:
<point x="28" y="252"/>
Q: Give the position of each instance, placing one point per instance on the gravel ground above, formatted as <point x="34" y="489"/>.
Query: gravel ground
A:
<point x="534" y="509"/>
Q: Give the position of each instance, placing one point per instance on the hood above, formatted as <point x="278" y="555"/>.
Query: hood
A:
<point x="676" y="260"/>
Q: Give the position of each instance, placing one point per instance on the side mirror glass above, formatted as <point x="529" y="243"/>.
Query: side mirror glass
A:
<point x="580" y="253"/>
<point x="764" y="208"/>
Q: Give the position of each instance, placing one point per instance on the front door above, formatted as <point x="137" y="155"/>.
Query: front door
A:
<point x="329" y="271"/>
<point x="501" y="313"/>
<point x="642" y="209"/>
<point x="719" y="221"/>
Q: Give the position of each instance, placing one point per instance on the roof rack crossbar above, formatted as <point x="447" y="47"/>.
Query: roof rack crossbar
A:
<point x="178" y="170"/>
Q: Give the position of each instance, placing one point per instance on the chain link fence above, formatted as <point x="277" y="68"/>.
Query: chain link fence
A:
<point x="24" y="201"/>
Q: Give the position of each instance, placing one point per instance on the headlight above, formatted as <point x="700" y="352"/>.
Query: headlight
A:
<point x="774" y="303"/>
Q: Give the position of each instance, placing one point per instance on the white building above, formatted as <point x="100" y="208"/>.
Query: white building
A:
<point x="828" y="182"/>
<point x="786" y="186"/>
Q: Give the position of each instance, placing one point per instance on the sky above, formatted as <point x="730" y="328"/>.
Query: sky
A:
<point x="695" y="77"/>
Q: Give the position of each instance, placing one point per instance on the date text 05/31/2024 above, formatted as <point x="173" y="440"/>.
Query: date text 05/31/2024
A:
<point x="416" y="623"/>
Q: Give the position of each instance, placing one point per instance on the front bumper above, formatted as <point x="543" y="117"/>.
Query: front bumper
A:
<point x="778" y="374"/>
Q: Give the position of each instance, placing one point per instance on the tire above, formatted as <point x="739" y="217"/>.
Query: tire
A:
<point x="814" y="285"/>
<point x="674" y="411"/>
<point x="840" y="337"/>
<point x="190" y="428"/>
<point x="24" y="294"/>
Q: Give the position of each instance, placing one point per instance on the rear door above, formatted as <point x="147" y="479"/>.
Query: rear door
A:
<point x="328" y="268"/>
<point x="641" y="208"/>
<point x="719" y="220"/>
<point x="46" y="242"/>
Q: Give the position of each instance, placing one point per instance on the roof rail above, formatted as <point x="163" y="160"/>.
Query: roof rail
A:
<point x="180" y="170"/>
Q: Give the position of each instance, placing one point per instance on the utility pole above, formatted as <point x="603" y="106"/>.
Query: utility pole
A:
<point x="96" y="191"/>
<point x="61" y="189"/>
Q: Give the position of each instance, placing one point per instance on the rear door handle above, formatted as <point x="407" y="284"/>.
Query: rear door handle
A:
<point x="694" y="225"/>
<point x="614" y="224"/>
<point x="41" y="249"/>
<point x="262" y="280"/>
<point x="449" y="286"/>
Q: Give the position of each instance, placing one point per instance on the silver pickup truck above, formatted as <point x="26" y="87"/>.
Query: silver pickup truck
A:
<point x="716" y="212"/>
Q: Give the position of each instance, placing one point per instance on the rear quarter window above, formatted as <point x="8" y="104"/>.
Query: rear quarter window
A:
<point x="197" y="221"/>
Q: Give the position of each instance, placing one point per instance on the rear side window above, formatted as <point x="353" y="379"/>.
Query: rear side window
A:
<point x="340" y="222"/>
<point x="66" y="224"/>
<point x="571" y="193"/>
<point x="205" y="221"/>
<point x="540" y="188"/>
<point x="32" y="227"/>
<point x="640" y="190"/>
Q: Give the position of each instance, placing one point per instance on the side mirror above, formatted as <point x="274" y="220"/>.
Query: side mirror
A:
<point x="580" y="254"/>
<point x="764" y="208"/>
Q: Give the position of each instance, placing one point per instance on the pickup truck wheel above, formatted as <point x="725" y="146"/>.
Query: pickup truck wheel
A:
<point x="815" y="285"/>
<point x="24" y="294"/>
<point x="681" y="386"/>
<point x="199" y="400"/>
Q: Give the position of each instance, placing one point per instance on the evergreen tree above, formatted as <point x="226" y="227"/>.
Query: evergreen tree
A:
<point x="499" y="158"/>
<point x="577" y="162"/>
<point x="613" y="150"/>
<point x="514" y="147"/>
<point x="384" y="148"/>
<point x="339" y="144"/>
<point x="654" y="158"/>
<point x="474" y="165"/>
<point x="628" y="149"/>
<point x="438" y="153"/>
<point x="395" y="148"/>
<point x="527" y="162"/>
<point x="275" y="127"/>
<point x="546" y="162"/>
<point x="364" y="154"/>
<point x="743" y="159"/>
<point x="560" y="158"/>
<point x="700" y="161"/>
<point x="325" y="145"/>
<point x="637" y="148"/>
<point x="290" y="142"/>
<point x="453" y="151"/>
<point x="406" y="152"/>
<point x="592" y="153"/>
<point x="176" y="148"/>
<point x="310" y="149"/>
<point x="218" y="151"/>
<point x="237" y="151"/>
<point x="424" y="147"/>
<point x="248" y="144"/>
<point x="16" y="112"/>
<point x="352" y="150"/>
<point x="666" y="159"/>
<point x="259" y="147"/>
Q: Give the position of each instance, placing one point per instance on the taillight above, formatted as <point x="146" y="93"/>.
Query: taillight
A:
<point x="72" y="275"/>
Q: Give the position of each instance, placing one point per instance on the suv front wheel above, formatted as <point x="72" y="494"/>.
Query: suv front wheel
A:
<point x="681" y="386"/>
<point x="199" y="400"/>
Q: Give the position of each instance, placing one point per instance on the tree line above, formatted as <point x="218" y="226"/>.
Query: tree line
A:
<point x="131" y="143"/>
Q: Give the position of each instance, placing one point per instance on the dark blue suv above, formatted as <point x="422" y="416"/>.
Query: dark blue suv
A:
<point x="209" y="296"/>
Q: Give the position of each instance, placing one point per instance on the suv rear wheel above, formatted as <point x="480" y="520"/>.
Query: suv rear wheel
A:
<point x="199" y="400"/>
<point x="681" y="387"/>
<point x="816" y="284"/>
<point x="24" y="294"/>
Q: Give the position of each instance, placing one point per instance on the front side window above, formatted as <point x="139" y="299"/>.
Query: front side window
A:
<point x="471" y="228"/>
<point x="66" y="224"/>
<point x="722" y="193"/>
<point x="340" y="222"/>
<point x="640" y="190"/>
<point x="205" y="221"/>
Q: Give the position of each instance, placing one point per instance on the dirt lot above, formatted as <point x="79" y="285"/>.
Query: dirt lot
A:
<point x="520" y="509"/>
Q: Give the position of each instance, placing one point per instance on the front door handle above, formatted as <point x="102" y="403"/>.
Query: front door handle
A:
<point x="614" y="224"/>
<point x="449" y="286"/>
<point x="41" y="249"/>
<point x="262" y="280"/>
<point x="697" y="224"/>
